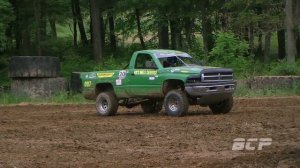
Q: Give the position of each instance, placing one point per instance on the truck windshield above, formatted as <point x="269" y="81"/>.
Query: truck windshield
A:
<point x="177" y="61"/>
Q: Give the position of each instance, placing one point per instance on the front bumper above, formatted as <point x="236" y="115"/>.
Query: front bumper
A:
<point x="210" y="93"/>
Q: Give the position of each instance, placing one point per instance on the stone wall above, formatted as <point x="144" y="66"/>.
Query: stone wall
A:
<point x="262" y="82"/>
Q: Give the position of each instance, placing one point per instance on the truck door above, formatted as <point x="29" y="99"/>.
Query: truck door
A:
<point x="143" y="78"/>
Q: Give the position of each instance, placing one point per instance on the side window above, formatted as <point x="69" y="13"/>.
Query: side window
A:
<point x="145" y="61"/>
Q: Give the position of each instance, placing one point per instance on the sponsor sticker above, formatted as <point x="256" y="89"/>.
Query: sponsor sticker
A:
<point x="151" y="78"/>
<point x="105" y="75"/>
<point x="119" y="82"/>
<point x="87" y="84"/>
<point x="146" y="72"/>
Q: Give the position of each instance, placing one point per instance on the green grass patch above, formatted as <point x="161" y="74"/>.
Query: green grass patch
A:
<point x="69" y="98"/>
<point x="60" y="98"/>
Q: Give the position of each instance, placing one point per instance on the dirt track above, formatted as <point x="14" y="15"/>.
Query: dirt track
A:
<point x="74" y="136"/>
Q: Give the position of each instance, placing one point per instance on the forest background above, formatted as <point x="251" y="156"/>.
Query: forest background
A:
<point x="254" y="37"/>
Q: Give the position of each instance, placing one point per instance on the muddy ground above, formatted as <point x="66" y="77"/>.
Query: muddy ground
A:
<point x="75" y="136"/>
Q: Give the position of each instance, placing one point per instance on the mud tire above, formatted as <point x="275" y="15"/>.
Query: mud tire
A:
<point x="107" y="104"/>
<point x="176" y="103"/>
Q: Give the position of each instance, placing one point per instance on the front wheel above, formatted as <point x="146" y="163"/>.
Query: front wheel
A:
<point x="176" y="103"/>
<point x="107" y="104"/>
<point x="223" y="107"/>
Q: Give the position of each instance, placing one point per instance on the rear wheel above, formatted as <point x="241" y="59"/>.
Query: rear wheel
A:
<point x="151" y="106"/>
<point x="223" y="107"/>
<point x="107" y="104"/>
<point x="176" y="103"/>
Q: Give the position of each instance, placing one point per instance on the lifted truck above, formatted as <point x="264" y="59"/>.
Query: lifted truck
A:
<point x="157" y="78"/>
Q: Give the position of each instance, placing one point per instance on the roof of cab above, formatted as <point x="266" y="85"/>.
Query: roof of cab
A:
<point x="165" y="53"/>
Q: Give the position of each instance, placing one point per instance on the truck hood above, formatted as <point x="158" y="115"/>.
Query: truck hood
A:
<point x="189" y="69"/>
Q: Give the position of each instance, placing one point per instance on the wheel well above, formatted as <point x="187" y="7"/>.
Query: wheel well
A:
<point x="103" y="87"/>
<point x="172" y="84"/>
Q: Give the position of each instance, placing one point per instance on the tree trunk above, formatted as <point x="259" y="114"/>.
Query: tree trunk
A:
<point x="25" y="42"/>
<point x="17" y="31"/>
<point x="102" y="30"/>
<point x="95" y="19"/>
<point x="75" y="33"/>
<point x="113" y="41"/>
<point x="267" y="47"/>
<point x="37" y="16"/>
<point x="207" y="34"/>
<point x="9" y="36"/>
<point x="80" y="22"/>
<point x="53" y="28"/>
<point x="224" y="20"/>
<point x="298" y="42"/>
<point x="179" y="39"/>
<point x="138" y="22"/>
<point x="74" y="24"/>
<point x="290" y="29"/>
<point x="175" y="34"/>
<point x="281" y="44"/>
<point x="251" y="39"/>
<point x="207" y="29"/>
<point x="163" y="35"/>
<point x="43" y="27"/>
<point x="188" y="30"/>
<point x="173" y="26"/>
<point x="260" y="45"/>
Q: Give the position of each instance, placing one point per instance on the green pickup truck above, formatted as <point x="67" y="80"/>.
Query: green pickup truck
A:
<point x="160" y="78"/>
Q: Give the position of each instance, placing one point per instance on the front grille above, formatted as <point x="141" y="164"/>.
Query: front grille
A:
<point x="209" y="75"/>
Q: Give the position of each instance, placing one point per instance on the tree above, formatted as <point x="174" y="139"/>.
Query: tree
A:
<point x="96" y="34"/>
<point x="78" y="15"/>
<point x="281" y="44"/>
<point x="139" y="29"/>
<point x="207" y="30"/>
<point x="290" y="28"/>
<point x="112" y="36"/>
<point x="257" y="18"/>
<point x="6" y="19"/>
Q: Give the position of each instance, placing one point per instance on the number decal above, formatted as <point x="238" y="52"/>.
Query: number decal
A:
<point x="122" y="74"/>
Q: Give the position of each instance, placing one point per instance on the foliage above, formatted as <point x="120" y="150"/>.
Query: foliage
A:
<point x="261" y="16"/>
<point x="197" y="51"/>
<point x="283" y="68"/>
<point x="230" y="51"/>
<point x="6" y="17"/>
<point x="74" y="62"/>
<point x="230" y="27"/>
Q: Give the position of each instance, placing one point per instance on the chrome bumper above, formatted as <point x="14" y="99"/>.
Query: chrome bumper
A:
<point x="209" y="93"/>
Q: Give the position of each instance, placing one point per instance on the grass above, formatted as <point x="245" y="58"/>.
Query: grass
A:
<point x="60" y="98"/>
<point x="69" y="98"/>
